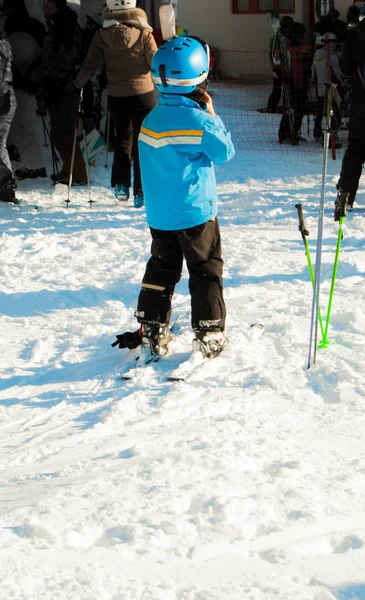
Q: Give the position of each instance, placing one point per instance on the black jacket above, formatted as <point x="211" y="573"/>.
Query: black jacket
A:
<point x="352" y="62"/>
<point x="62" y="47"/>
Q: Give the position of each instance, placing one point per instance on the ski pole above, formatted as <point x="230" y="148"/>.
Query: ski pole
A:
<point x="305" y="232"/>
<point x="87" y="163"/>
<point x="329" y="96"/>
<point x="342" y="214"/>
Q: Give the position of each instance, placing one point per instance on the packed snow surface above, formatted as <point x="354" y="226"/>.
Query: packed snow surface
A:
<point x="245" y="482"/>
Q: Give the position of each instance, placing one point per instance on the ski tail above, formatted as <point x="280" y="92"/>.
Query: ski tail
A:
<point x="167" y="22"/>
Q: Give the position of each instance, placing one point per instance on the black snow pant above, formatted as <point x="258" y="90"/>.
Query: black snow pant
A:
<point x="298" y="102"/>
<point x="63" y="115"/>
<point x="354" y="156"/>
<point x="201" y="248"/>
<point x="6" y="171"/>
<point x="127" y="114"/>
<point x="274" y="98"/>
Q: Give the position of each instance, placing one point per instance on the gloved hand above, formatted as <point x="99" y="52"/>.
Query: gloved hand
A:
<point x="128" y="339"/>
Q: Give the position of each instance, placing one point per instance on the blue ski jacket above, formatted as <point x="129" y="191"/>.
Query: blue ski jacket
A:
<point x="178" y="144"/>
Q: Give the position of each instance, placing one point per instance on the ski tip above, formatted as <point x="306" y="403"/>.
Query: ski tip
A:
<point x="175" y="379"/>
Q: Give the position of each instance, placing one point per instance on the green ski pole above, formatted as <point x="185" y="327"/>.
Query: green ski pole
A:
<point x="305" y="232"/>
<point x="340" y="214"/>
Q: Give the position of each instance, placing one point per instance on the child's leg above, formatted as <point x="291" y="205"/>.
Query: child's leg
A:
<point x="163" y="271"/>
<point x="201" y="246"/>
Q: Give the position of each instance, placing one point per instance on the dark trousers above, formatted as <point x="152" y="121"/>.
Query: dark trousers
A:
<point x="317" y="131"/>
<point x="6" y="171"/>
<point x="63" y="115"/>
<point x="201" y="248"/>
<point x="127" y="114"/>
<point x="274" y="98"/>
<point x="354" y="156"/>
<point x="298" y="102"/>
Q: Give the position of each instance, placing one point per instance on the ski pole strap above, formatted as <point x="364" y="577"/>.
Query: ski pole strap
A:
<point x="332" y="111"/>
<point x="302" y="226"/>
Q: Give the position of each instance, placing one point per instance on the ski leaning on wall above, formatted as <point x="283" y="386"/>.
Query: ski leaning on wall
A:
<point x="323" y="7"/>
<point x="167" y="18"/>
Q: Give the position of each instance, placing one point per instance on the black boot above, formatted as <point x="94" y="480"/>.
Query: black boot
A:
<point x="155" y="340"/>
<point x="209" y="343"/>
<point x="341" y="203"/>
<point x="7" y="190"/>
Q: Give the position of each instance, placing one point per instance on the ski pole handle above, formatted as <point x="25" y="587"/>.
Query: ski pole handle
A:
<point x="302" y="226"/>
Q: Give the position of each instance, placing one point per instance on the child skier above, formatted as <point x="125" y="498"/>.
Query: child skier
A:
<point x="179" y="141"/>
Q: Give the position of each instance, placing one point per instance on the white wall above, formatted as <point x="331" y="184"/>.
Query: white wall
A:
<point x="214" y="22"/>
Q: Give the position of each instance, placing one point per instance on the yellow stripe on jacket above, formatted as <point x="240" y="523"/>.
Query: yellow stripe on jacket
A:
<point x="164" y="138"/>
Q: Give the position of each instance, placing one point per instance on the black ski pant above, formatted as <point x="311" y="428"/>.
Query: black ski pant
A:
<point x="63" y="115"/>
<point x="354" y="156"/>
<point x="6" y="171"/>
<point x="274" y="98"/>
<point x="298" y="103"/>
<point x="127" y="114"/>
<point x="201" y="248"/>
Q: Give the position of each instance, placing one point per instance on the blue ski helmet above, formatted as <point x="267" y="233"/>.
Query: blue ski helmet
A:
<point x="180" y="65"/>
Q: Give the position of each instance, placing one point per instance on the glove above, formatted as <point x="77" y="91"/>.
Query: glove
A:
<point x="128" y="339"/>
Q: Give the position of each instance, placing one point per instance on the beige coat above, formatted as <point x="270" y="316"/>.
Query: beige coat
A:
<point x="127" y="45"/>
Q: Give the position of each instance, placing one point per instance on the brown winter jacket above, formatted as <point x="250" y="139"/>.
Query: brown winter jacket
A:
<point x="127" y="47"/>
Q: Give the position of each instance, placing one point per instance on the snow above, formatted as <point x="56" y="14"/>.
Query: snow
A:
<point x="245" y="482"/>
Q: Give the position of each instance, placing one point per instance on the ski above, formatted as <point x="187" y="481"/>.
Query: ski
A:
<point x="274" y="20"/>
<point x="167" y="22"/>
<point x="25" y="173"/>
<point x="186" y="368"/>
<point x="137" y="365"/>
<point x="197" y="360"/>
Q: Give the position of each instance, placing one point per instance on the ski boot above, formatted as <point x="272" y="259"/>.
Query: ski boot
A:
<point x="30" y="173"/>
<point x="7" y="190"/>
<point x="341" y="202"/>
<point x="155" y="340"/>
<point x="138" y="201"/>
<point x="209" y="343"/>
<point x="121" y="192"/>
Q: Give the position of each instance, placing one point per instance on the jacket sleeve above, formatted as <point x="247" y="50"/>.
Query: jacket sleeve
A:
<point x="91" y="62"/>
<point x="335" y="64"/>
<point x="217" y="144"/>
<point x="5" y="66"/>
<point x="150" y="48"/>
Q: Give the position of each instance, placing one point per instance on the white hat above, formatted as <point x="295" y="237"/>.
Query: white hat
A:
<point x="120" y="4"/>
<point x="326" y="38"/>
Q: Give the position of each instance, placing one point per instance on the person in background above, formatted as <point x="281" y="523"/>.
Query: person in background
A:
<point x="126" y="44"/>
<point x="353" y="17"/>
<point x="60" y="59"/>
<point x="298" y="61"/>
<point x="274" y="98"/>
<point x="331" y="24"/>
<point x="7" y="111"/>
<point x="179" y="142"/>
<point x="326" y="69"/>
<point x="352" y="63"/>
